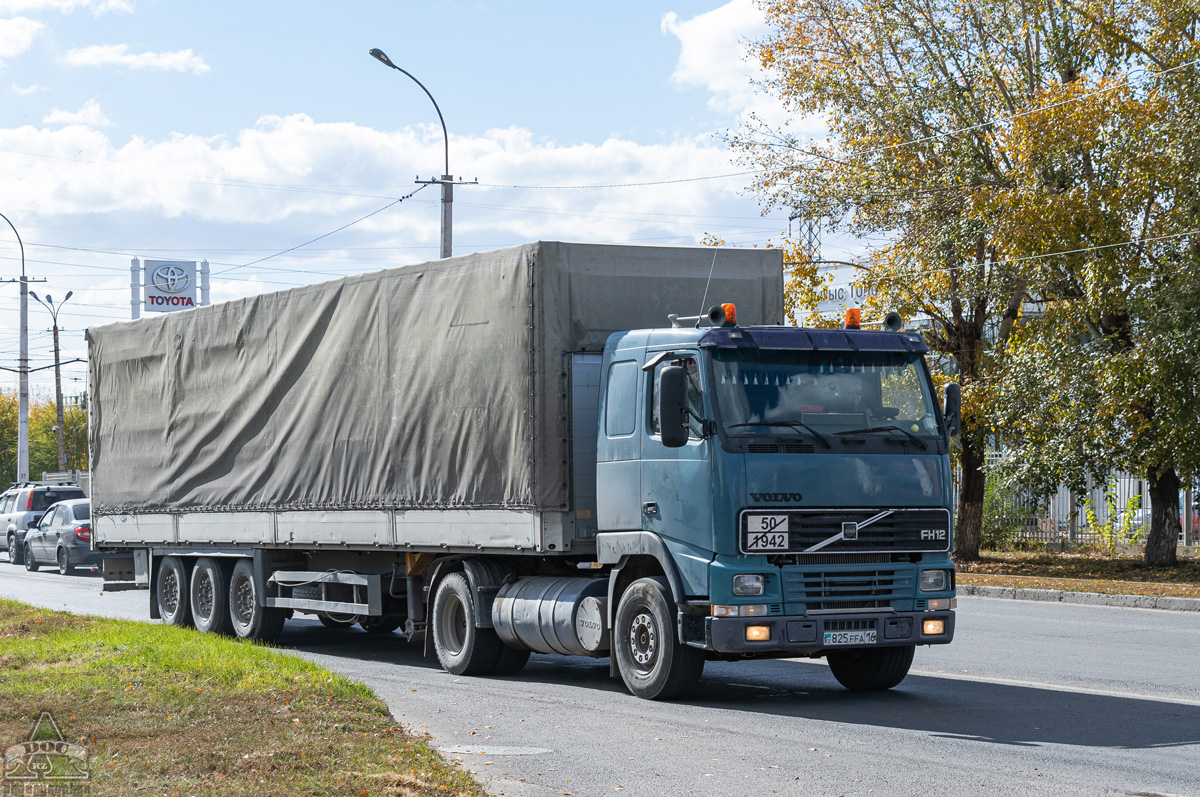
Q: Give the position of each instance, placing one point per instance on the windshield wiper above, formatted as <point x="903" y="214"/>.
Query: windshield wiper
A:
<point x="924" y="446"/>
<point x="793" y="424"/>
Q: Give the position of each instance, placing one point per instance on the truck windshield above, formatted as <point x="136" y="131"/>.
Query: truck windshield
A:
<point x="823" y="395"/>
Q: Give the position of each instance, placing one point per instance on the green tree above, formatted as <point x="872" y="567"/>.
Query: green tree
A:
<point x="1107" y="377"/>
<point x="978" y="138"/>
<point x="920" y="98"/>
<point x="43" y="440"/>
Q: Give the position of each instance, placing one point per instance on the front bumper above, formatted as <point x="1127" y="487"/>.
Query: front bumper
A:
<point x="804" y="635"/>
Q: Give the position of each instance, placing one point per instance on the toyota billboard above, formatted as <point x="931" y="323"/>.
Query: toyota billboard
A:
<point x="170" y="285"/>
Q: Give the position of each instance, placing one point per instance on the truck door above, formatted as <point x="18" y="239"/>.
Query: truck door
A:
<point x="677" y="482"/>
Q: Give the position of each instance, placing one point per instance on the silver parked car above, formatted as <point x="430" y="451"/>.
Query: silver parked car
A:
<point x="20" y="507"/>
<point x="62" y="536"/>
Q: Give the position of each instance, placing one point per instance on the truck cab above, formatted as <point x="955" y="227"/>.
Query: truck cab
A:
<point x="794" y="486"/>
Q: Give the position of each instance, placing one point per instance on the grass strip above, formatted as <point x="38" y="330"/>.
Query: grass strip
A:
<point x="1081" y="572"/>
<point x="165" y="710"/>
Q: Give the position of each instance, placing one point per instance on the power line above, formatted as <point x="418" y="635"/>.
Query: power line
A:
<point x="331" y="232"/>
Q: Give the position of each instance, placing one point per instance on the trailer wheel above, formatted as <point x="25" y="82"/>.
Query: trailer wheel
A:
<point x="171" y="592"/>
<point x="652" y="662"/>
<point x="251" y="620"/>
<point x="462" y="649"/>
<point x="209" y="596"/>
<point x="871" y="669"/>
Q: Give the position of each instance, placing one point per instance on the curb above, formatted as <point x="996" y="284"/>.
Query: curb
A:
<point x="1089" y="598"/>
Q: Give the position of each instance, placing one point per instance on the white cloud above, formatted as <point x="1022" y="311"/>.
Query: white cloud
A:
<point x="97" y="7"/>
<point x="119" y="55"/>
<point x="713" y="53"/>
<point x="16" y="36"/>
<point x="89" y="115"/>
<point x="341" y="170"/>
<point x="27" y="89"/>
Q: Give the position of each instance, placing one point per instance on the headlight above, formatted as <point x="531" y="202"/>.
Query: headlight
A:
<point x="933" y="580"/>
<point x="750" y="610"/>
<point x="747" y="586"/>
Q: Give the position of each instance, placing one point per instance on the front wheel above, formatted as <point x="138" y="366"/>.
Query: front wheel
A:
<point x="871" y="669"/>
<point x="462" y="648"/>
<point x="30" y="563"/>
<point x="251" y="620"/>
<point x="652" y="663"/>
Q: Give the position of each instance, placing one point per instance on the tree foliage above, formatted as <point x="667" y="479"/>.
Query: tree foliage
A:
<point x="43" y="440"/>
<point x="976" y="138"/>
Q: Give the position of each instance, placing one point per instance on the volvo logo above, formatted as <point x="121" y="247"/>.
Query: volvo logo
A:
<point x="171" y="279"/>
<point x="775" y="498"/>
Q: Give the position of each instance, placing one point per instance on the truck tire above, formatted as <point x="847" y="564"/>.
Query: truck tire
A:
<point x="871" y="669"/>
<point x="30" y="563"/>
<point x="381" y="625"/>
<point x="337" y="621"/>
<point x="250" y="619"/>
<point x="171" y="592"/>
<point x="14" y="550"/>
<point x="209" y="597"/>
<point x="511" y="660"/>
<point x="462" y="649"/>
<point x="652" y="662"/>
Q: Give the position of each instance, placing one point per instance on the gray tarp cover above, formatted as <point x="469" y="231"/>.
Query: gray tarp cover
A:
<point x="429" y="386"/>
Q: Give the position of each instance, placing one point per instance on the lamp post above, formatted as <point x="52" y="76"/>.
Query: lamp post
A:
<point x="22" y="370"/>
<point x="53" y="308"/>
<point x="447" y="181"/>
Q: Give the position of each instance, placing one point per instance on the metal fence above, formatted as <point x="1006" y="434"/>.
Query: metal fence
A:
<point x="1112" y="511"/>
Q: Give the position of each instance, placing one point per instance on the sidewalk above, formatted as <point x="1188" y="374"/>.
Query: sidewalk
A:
<point x="1090" y="598"/>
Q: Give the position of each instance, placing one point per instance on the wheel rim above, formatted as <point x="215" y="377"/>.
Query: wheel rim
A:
<point x="244" y="600"/>
<point x="62" y="560"/>
<point x="643" y="640"/>
<point x="168" y="591"/>
<point x="453" y="625"/>
<point x="204" y="596"/>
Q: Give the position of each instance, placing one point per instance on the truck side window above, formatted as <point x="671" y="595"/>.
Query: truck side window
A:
<point x="620" y="401"/>
<point x="695" y="397"/>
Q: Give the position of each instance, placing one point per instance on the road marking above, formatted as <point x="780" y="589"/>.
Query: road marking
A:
<point x="1085" y="690"/>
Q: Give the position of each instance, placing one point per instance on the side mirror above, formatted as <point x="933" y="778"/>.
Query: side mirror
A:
<point x="952" y="410"/>
<point x="672" y="406"/>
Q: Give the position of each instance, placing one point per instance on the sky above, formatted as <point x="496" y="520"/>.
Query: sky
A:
<point x="232" y="131"/>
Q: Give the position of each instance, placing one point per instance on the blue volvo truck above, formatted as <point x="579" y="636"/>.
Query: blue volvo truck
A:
<point x="534" y="451"/>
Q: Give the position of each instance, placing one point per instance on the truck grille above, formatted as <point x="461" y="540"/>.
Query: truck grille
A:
<point x="860" y="588"/>
<point x="800" y="531"/>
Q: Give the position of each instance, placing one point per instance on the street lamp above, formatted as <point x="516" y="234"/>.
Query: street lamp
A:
<point x="22" y="370"/>
<point x="53" y="308"/>
<point x="447" y="181"/>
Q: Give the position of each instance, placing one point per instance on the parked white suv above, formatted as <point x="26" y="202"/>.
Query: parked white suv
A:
<point x="21" y="505"/>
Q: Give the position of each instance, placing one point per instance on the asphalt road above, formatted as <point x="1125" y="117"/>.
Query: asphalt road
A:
<point x="1031" y="699"/>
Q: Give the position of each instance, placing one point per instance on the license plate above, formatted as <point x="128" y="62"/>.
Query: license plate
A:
<point x="850" y="637"/>
<point x="766" y="533"/>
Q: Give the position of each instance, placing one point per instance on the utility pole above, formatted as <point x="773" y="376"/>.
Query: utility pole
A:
<point x="22" y="369"/>
<point x="446" y="180"/>
<point x="58" y="397"/>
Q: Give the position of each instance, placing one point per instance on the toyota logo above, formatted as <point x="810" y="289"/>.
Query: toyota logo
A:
<point x="171" y="279"/>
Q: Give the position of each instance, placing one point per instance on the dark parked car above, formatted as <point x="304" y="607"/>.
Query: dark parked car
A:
<point x="20" y="507"/>
<point x="63" y="536"/>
